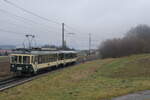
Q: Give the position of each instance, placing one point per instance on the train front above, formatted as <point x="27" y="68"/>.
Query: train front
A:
<point x="21" y="64"/>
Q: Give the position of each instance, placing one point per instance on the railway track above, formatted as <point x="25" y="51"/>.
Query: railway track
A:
<point x="11" y="83"/>
<point x="15" y="81"/>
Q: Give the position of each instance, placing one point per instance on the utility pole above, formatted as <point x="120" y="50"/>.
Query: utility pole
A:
<point x="90" y="44"/>
<point x="63" y="36"/>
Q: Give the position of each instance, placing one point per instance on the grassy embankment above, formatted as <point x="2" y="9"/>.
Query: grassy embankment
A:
<point x="96" y="80"/>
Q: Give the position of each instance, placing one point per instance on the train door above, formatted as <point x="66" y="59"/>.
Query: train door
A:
<point x="35" y="63"/>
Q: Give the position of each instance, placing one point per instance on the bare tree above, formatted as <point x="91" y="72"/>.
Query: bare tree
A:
<point x="136" y="41"/>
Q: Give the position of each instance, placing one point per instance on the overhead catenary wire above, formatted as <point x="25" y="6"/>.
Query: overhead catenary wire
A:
<point x="25" y="19"/>
<point x="73" y="29"/>
<point x="92" y="43"/>
<point x="70" y="29"/>
<point x="8" y="31"/>
<point x="14" y="24"/>
<point x="5" y="11"/>
<point x="43" y="18"/>
<point x="29" y="12"/>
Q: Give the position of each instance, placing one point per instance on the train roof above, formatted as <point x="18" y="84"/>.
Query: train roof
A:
<point x="67" y="52"/>
<point x="42" y="52"/>
<point x="51" y="52"/>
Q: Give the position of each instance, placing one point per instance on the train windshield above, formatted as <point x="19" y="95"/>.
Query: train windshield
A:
<point x="26" y="59"/>
<point x="14" y="59"/>
<point x="20" y="59"/>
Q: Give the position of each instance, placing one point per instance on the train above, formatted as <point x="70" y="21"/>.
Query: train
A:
<point x="29" y="62"/>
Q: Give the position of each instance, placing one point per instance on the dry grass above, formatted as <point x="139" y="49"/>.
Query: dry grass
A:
<point x="4" y="67"/>
<point x="97" y="80"/>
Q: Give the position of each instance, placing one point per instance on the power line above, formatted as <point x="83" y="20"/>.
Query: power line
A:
<point x="76" y="31"/>
<point x="90" y="41"/>
<point x="29" y="12"/>
<point x="8" y="31"/>
<point x="6" y="12"/>
<point x="73" y="29"/>
<point x="25" y="19"/>
<point x="41" y="17"/>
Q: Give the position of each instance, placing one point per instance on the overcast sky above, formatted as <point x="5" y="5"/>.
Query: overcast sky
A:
<point x="104" y="19"/>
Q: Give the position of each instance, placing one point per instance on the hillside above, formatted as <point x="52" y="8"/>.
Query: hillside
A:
<point x="96" y="80"/>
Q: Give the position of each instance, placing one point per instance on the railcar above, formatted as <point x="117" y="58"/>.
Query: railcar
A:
<point x="34" y="61"/>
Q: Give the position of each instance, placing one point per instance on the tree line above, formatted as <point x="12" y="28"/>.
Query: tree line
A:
<point x="136" y="41"/>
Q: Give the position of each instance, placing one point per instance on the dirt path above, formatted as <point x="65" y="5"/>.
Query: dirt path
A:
<point x="144" y="95"/>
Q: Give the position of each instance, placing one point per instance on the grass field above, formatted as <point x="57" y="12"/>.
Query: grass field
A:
<point x="4" y="58"/>
<point x="96" y="80"/>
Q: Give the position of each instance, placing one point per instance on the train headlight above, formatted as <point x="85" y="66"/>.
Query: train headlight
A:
<point x="26" y="66"/>
<point x="12" y="66"/>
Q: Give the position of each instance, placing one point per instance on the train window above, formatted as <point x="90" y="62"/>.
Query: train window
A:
<point x="55" y="57"/>
<point x="71" y="55"/>
<point x="39" y="59"/>
<point x="44" y="58"/>
<point x="68" y="56"/>
<point x="74" y="55"/>
<point x="47" y="58"/>
<point x="61" y="56"/>
<point x="14" y="59"/>
<point x="32" y="60"/>
<point x="26" y="59"/>
<point x="20" y="59"/>
<point x="65" y="56"/>
<point x="36" y="60"/>
<point x="52" y="57"/>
